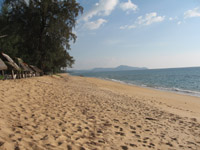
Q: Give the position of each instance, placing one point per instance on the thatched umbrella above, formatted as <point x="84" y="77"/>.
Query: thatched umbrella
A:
<point x="29" y="68"/>
<point x="3" y="66"/>
<point x="25" y="68"/>
<point x="21" y="64"/>
<point x="12" y="64"/>
<point x="36" y="70"/>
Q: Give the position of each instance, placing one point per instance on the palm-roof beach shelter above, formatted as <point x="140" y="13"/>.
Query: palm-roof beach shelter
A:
<point x="21" y="64"/>
<point x="25" y="68"/>
<point x="3" y="67"/>
<point x="36" y="70"/>
<point x="12" y="64"/>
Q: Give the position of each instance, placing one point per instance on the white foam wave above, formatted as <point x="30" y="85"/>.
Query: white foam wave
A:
<point x="177" y="90"/>
<point x="182" y="91"/>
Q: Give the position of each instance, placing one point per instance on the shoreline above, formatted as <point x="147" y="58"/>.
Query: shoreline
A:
<point x="148" y="87"/>
<point x="154" y="88"/>
<point x="162" y="96"/>
<point x="83" y="113"/>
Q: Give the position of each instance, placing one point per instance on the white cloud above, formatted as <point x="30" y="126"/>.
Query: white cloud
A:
<point x="192" y="13"/>
<point x="102" y="8"/>
<point x="128" y="27"/>
<point x="149" y="19"/>
<point x="173" y="18"/>
<point x="179" y="22"/>
<point x="128" y="6"/>
<point x="95" y="24"/>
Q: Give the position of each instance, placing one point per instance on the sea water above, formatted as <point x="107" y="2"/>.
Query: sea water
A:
<point x="181" y="80"/>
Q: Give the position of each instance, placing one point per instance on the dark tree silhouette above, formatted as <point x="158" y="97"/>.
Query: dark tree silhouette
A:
<point x="39" y="31"/>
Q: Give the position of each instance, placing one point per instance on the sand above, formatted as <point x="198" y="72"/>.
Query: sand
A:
<point x="62" y="112"/>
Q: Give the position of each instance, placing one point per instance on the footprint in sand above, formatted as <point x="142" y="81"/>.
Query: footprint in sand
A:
<point x="124" y="147"/>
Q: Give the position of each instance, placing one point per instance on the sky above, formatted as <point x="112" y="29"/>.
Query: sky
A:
<point x="140" y="33"/>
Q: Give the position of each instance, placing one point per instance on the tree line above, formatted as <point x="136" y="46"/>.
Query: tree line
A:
<point x="39" y="31"/>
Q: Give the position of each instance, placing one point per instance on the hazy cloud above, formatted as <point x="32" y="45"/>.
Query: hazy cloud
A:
<point x="148" y="19"/>
<point x="192" y="13"/>
<point x="173" y="18"/>
<point x="128" y="6"/>
<point x="95" y="24"/>
<point x="102" y="8"/>
<point x="179" y="22"/>
<point x="128" y="27"/>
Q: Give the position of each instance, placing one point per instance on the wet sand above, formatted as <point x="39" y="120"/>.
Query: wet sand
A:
<point x="62" y="112"/>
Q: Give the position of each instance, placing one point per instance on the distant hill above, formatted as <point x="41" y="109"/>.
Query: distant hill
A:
<point x="119" y="68"/>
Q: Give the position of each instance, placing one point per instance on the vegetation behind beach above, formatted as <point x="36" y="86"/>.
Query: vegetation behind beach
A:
<point x="39" y="32"/>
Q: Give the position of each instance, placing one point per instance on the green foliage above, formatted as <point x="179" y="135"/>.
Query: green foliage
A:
<point x="1" y="77"/>
<point x="39" y="32"/>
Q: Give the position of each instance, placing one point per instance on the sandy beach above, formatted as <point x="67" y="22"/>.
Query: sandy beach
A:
<point x="63" y="112"/>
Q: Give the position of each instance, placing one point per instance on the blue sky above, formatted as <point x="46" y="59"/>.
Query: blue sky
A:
<point x="142" y="33"/>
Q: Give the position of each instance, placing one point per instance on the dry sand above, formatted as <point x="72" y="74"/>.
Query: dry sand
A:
<point x="69" y="113"/>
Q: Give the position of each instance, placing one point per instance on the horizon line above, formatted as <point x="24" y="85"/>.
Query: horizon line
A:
<point x="138" y="67"/>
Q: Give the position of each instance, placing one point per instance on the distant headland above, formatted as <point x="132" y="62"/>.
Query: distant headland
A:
<point x="119" y="68"/>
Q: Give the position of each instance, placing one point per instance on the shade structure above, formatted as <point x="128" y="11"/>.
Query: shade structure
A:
<point x="23" y="65"/>
<point x="29" y="68"/>
<point x="36" y="69"/>
<point x="3" y="65"/>
<point x="11" y="62"/>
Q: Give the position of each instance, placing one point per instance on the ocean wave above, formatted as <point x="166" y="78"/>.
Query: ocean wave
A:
<point x="119" y="81"/>
<point x="182" y="91"/>
<point x="173" y="89"/>
<point x="186" y="91"/>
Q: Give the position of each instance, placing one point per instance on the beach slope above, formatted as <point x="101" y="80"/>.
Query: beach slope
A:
<point x="63" y="112"/>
